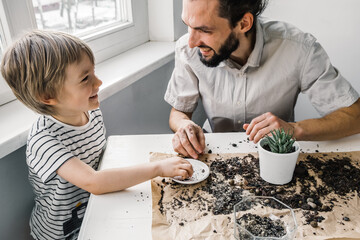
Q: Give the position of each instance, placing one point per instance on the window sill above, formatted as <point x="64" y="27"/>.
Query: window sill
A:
<point x="116" y="73"/>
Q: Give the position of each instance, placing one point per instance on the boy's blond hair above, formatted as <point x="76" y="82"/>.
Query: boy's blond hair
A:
<point x="34" y="66"/>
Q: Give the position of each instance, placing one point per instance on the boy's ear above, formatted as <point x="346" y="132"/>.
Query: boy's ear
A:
<point x="245" y="24"/>
<point x="47" y="100"/>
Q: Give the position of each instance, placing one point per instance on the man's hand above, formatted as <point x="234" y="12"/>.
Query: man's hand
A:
<point x="263" y="124"/>
<point x="189" y="140"/>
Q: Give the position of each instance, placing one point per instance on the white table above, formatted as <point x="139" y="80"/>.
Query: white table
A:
<point x="127" y="214"/>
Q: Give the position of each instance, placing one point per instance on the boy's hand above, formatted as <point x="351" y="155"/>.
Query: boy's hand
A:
<point x="175" y="166"/>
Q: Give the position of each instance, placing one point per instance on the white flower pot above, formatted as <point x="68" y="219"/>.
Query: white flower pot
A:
<point x="277" y="168"/>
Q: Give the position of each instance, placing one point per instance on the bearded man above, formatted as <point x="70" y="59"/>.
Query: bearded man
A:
<point x="248" y="72"/>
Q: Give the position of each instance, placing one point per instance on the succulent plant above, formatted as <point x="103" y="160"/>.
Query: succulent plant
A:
<point x="280" y="141"/>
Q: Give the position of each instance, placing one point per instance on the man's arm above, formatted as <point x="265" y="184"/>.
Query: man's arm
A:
<point x="340" y="123"/>
<point x="189" y="139"/>
<point x="177" y="119"/>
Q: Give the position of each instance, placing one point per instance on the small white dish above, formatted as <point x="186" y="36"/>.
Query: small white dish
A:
<point x="201" y="172"/>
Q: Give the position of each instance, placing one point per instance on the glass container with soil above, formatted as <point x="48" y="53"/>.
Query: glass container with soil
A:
<point x="259" y="218"/>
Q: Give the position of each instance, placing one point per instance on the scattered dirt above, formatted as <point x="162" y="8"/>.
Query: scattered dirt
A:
<point x="314" y="183"/>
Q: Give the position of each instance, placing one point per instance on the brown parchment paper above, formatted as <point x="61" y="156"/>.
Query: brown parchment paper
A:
<point x="190" y="218"/>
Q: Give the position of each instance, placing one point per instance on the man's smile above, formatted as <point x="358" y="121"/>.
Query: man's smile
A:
<point x="205" y="51"/>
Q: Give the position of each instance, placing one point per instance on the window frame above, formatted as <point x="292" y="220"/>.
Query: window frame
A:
<point x="106" y="44"/>
<point x="6" y="94"/>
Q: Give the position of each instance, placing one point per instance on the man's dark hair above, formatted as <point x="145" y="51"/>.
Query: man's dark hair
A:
<point x="234" y="10"/>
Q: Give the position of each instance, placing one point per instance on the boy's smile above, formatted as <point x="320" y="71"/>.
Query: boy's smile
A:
<point x="79" y="93"/>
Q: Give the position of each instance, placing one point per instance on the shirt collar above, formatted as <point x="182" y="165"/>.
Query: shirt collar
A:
<point x="224" y="63"/>
<point x="255" y="56"/>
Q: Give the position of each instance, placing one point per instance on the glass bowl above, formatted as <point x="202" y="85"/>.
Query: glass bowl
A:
<point x="259" y="218"/>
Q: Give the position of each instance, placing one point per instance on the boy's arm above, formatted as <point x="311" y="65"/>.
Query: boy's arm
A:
<point x="111" y="180"/>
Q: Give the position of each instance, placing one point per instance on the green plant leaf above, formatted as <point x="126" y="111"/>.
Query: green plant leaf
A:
<point x="278" y="134"/>
<point x="287" y="147"/>
<point x="274" y="148"/>
<point x="283" y="136"/>
<point x="281" y="149"/>
<point x="273" y="133"/>
<point x="280" y="141"/>
<point x="271" y="140"/>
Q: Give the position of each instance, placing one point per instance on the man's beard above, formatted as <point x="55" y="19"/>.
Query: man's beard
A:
<point x="229" y="46"/>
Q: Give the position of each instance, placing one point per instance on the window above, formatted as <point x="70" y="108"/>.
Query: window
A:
<point x="5" y="91"/>
<point x="108" y="26"/>
<point x="81" y="16"/>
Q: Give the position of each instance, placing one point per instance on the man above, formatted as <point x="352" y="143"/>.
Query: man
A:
<point x="248" y="72"/>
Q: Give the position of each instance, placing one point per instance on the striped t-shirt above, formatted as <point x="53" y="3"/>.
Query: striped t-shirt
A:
<point x="60" y="205"/>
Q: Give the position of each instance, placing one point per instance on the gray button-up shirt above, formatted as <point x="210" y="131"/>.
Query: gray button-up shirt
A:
<point x="284" y="62"/>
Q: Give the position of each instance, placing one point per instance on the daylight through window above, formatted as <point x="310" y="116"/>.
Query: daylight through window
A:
<point x="80" y="17"/>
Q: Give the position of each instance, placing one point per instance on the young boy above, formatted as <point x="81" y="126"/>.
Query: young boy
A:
<point x="53" y="74"/>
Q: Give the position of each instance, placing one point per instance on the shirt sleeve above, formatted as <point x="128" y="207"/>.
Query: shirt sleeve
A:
<point x="45" y="154"/>
<point x="326" y="88"/>
<point x="183" y="89"/>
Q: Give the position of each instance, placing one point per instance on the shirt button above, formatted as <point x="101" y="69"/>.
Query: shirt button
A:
<point x="239" y="122"/>
<point x="238" y="103"/>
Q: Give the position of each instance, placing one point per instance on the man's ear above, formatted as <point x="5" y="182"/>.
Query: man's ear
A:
<point x="246" y="23"/>
<point x="47" y="100"/>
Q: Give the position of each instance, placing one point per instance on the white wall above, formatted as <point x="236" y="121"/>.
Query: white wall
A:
<point x="165" y="23"/>
<point x="140" y="108"/>
<point x="336" y="25"/>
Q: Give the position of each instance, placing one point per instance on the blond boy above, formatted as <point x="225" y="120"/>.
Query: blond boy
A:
<point x="53" y="74"/>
